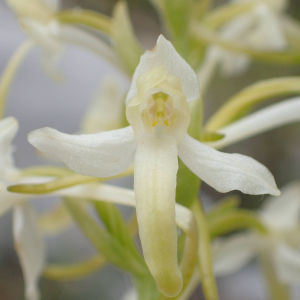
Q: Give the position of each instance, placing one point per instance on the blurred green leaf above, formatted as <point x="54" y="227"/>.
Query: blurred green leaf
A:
<point x="107" y="245"/>
<point x="115" y="225"/>
<point x="187" y="182"/>
<point x="212" y="136"/>
<point x="86" y="17"/>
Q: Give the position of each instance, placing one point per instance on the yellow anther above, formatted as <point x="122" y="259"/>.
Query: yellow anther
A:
<point x="154" y="123"/>
<point x="166" y="122"/>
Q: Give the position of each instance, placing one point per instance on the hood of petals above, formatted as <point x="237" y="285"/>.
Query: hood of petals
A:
<point x="165" y="54"/>
<point x="155" y="81"/>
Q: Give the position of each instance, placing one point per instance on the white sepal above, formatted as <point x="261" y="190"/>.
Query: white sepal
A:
<point x="164" y="53"/>
<point x="226" y="172"/>
<point x="100" y="155"/>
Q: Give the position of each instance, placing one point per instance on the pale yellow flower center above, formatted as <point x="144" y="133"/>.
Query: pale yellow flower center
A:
<point x="160" y="111"/>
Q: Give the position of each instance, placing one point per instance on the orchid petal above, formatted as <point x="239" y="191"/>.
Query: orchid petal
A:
<point x="287" y="263"/>
<point x="99" y="155"/>
<point x="155" y="167"/>
<point x="232" y="254"/>
<point x="226" y="172"/>
<point x="29" y="246"/>
<point x="283" y="212"/>
<point x="165" y="54"/>
<point x="273" y="116"/>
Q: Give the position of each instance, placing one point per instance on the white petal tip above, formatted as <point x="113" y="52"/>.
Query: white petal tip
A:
<point x="33" y="136"/>
<point x="276" y="192"/>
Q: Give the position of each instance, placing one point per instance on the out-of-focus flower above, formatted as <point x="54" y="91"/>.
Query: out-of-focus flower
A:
<point x="157" y="111"/>
<point x="27" y="229"/>
<point x="260" y="29"/>
<point x="38" y="19"/>
<point x="28" y="238"/>
<point x="281" y="217"/>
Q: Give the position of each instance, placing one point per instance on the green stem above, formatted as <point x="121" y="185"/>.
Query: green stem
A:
<point x="205" y="262"/>
<point x="235" y="220"/>
<point x="61" y="183"/>
<point x="222" y="14"/>
<point x="46" y="171"/>
<point x="86" y="17"/>
<point x="228" y="204"/>
<point x="74" y="271"/>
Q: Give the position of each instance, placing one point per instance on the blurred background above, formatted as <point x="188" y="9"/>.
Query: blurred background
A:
<point x="36" y="101"/>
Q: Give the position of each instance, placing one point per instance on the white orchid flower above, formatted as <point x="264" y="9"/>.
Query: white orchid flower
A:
<point x="106" y="110"/>
<point x="27" y="232"/>
<point x="157" y="111"/>
<point x="37" y="18"/>
<point x="281" y="217"/>
<point x="28" y="238"/>
<point x="260" y="29"/>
